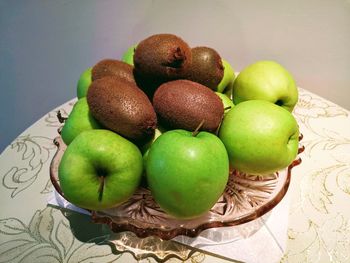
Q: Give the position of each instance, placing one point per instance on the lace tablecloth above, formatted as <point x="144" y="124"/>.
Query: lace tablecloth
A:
<point x="319" y="194"/>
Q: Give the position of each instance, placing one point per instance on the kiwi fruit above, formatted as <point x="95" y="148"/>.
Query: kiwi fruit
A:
<point x="184" y="104"/>
<point x="113" y="67"/>
<point x="162" y="56"/>
<point x="123" y="108"/>
<point x="206" y="67"/>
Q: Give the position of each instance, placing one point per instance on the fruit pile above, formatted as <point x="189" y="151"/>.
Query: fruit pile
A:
<point x="178" y="117"/>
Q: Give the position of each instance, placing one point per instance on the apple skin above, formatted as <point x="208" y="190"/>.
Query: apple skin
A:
<point x="84" y="83"/>
<point x="145" y="148"/>
<point x="79" y="120"/>
<point x="187" y="174"/>
<point x="95" y="153"/>
<point x="128" y="55"/>
<point x="260" y="137"/>
<point x="226" y="84"/>
<point x="266" y="80"/>
<point x="226" y="101"/>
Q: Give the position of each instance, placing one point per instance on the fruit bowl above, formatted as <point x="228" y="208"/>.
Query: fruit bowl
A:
<point x="246" y="197"/>
<point x="188" y="90"/>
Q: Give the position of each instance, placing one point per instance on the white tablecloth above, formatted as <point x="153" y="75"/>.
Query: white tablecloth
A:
<point x="317" y="215"/>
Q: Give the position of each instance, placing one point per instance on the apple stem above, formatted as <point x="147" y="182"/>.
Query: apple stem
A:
<point x="196" y="131"/>
<point x="101" y="187"/>
<point x="218" y="128"/>
<point x="227" y="108"/>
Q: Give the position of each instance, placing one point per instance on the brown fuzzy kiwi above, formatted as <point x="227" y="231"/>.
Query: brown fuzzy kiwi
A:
<point x="206" y="67"/>
<point x="183" y="104"/>
<point x="163" y="57"/>
<point x="123" y="108"/>
<point x="113" y="67"/>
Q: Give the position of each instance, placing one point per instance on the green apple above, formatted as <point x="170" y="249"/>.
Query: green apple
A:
<point x="226" y="101"/>
<point x="187" y="172"/>
<point x="128" y="56"/>
<point x="226" y="84"/>
<point x="79" y="120"/>
<point x="260" y="137"/>
<point x="84" y="83"/>
<point x="266" y="80"/>
<point x="100" y="170"/>
<point x="145" y="148"/>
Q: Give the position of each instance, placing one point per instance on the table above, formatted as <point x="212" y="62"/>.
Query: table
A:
<point x="319" y="214"/>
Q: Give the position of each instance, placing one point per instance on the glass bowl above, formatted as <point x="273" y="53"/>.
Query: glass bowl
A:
<point x="142" y="228"/>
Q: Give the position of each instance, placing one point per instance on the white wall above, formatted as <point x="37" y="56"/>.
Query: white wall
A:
<point x="45" y="45"/>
